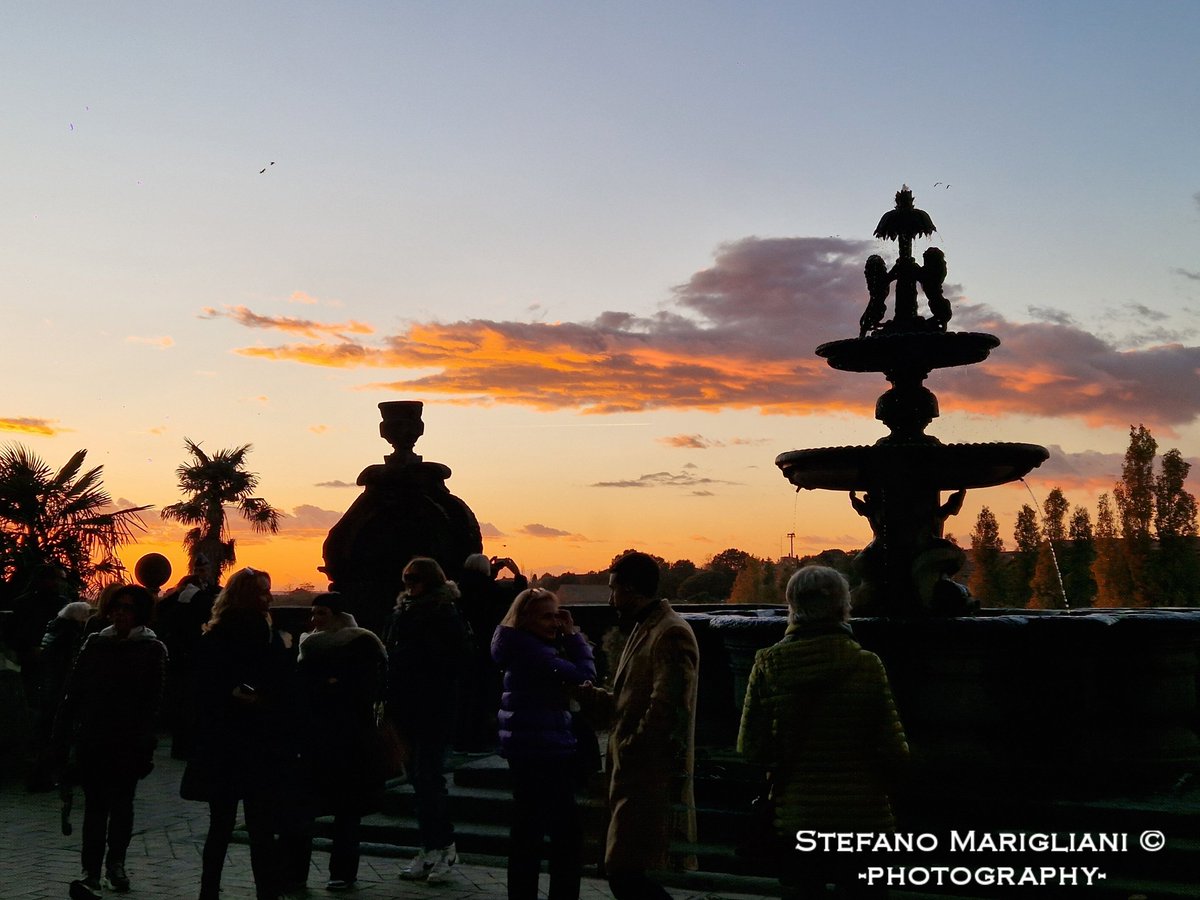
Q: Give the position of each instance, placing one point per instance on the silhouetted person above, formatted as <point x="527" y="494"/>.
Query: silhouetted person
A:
<point x="244" y="741"/>
<point x="651" y="742"/>
<point x="33" y="610"/>
<point x="542" y="653"/>
<point x="819" y="715"/>
<point x="107" y="717"/>
<point x="427" y="648"/>
<point x="60" y="646"/>
<point x="484" y="600"/>
<point x="342" y="673"/>
<point x="179" y="620"/>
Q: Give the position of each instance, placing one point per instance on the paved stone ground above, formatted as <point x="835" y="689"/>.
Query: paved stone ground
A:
<point x="38" y="861"/>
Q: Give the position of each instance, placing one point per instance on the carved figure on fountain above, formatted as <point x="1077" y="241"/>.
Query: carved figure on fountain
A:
<point x="902" y="224"/>
<point x="879" y="284"/>
<point x="932" y="276"/>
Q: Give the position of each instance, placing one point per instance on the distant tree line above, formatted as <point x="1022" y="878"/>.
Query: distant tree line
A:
<point x="731" y="576"/>
<point x="1142" y="549"/>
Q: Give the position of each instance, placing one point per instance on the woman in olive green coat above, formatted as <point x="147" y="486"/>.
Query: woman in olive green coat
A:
<point x="819" y="715"/>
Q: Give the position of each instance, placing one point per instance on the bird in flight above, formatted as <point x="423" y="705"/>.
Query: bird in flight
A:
<point x="264" y="168"/>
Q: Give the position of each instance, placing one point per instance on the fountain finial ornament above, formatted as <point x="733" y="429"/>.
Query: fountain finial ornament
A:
<point x="902" y="224"/>
<point x="908" y="567"/>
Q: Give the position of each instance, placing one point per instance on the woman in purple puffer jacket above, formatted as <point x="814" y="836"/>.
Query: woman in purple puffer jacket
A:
<point x="542" y="653"/>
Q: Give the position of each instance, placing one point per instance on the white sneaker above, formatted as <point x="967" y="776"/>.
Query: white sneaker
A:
<point x="419" y="866"/>
<point x="443" y="865"/>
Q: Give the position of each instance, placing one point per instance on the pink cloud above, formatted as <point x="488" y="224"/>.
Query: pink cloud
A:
<point x="545" y="531"/>
<point x="741" y="334"/>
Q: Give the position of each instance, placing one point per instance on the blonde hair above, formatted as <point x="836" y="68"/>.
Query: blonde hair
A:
<point x="240" y="594"/>
<point x="518" y="613"/>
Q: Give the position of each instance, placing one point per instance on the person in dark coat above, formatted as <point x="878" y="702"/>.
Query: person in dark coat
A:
<point x="60" y="646"/>
<point x="428" y="645"/>
<point x="485" y="599"/>
<point x="179" y="620"/>
<point x="342" y="672"/>
<point x="244" y="731"/>
<point x="107" y="718"/>
<point x="47" y="593"/>
<point x="541" y="652"/>
<point x="819" y="715"/>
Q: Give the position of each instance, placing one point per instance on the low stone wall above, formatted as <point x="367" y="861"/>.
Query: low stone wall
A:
<point x="1075" y="703"/>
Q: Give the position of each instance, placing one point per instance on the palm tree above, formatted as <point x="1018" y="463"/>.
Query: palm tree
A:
<point x="60" y="518"/>
<point x="211" y="483"/>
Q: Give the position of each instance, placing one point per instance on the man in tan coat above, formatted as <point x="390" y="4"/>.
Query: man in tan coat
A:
<point x="651" y="713"/>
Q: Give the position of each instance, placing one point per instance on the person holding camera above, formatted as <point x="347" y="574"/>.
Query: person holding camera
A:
<point x="485" y="599"/>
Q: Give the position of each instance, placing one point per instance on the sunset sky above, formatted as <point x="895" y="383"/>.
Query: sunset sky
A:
<point x="599" y="241"/>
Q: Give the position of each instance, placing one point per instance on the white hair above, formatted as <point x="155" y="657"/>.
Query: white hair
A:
<point x="818" y="594"/>
<point x="477" y="562"/>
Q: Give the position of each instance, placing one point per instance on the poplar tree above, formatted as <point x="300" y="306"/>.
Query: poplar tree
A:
<point x="1177" y="563"/>
<point x="1078" y="559"/>
<point x="1134" y="496"/>
<point x="1026" y="537"/>
<point x="1046" y="587"/>
<point x="986" y="581"/>
<point x="1111" y="570"/>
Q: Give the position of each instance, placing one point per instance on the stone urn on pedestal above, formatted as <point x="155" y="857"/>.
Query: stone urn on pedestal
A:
<point x="405" y="510"/>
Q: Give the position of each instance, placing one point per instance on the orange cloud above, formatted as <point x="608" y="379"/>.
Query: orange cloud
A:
<point x="31" y="425"/>
<point x="162" y="343"/>
<point x="301" y="297"/>
<point x="289" y="324"/>
<point x="741" y="334"/>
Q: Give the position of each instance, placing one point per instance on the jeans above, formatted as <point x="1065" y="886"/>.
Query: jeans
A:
<point x="107" y="820"/>
<point x="544" y="804"/>
<point x="426" y="773"/>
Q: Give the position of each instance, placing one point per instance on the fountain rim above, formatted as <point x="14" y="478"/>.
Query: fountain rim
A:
<point x="928" y="465"/>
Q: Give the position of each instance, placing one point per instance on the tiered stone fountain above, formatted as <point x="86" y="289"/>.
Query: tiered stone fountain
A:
<point x="906" y="570"/>
<point x="1002" y="703"/>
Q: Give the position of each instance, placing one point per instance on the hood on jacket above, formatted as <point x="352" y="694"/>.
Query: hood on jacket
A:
<point x="139" y="633"/>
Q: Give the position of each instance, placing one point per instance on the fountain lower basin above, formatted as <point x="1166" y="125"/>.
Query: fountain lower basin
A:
<point x="936" y="466"/>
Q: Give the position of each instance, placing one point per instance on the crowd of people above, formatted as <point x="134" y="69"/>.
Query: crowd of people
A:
<point x="295" y="732"/>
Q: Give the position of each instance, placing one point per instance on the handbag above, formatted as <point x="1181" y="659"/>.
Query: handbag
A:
<point x="394" y="749"/>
